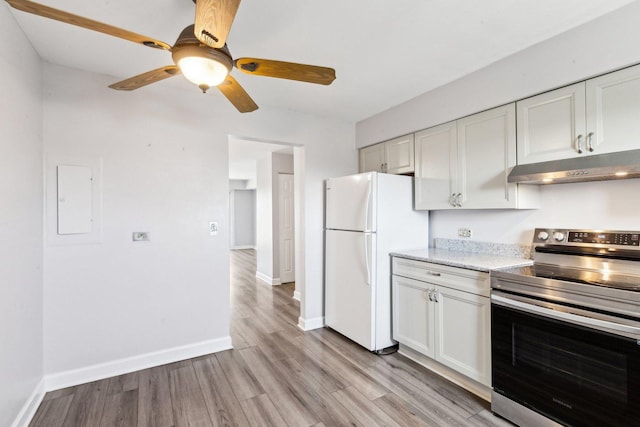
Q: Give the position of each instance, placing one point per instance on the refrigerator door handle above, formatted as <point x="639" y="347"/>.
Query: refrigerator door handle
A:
<point x="366" y="258"/>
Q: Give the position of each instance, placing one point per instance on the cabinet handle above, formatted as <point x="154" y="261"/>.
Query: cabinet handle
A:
<point x="435" y="295"/>
<point x="458" y="204"/>
<point x="452" y="199"/>
<point x="590" y="142"/>
<point x="431" y="273"/>
<point x="579" y="144"/>
<point x="430" y="294"/>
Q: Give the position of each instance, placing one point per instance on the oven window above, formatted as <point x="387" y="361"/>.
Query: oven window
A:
<point x="587" y="366"/>
<point x="568" y="373"/>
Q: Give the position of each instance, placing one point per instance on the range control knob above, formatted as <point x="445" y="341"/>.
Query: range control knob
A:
<point x="558" y="236"/>
<point x="543" y="235"/>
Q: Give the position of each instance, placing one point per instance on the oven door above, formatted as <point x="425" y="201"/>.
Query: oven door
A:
<point x="570" y="365"/>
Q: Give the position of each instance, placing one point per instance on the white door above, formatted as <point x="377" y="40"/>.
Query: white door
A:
<point x="398" y="154"/>
<point x="436" y="166"/>
<point x="413" y="314"/>
<point x="372" y="158"/>
<point x="552" y="125"/>
<point x="613" y="111"/>
<point x="351" y="202"/>
<point x="349" y="276"/>
<point x="486" y="152"/>
<point x="286" y="228"/>
<point x="463" y="330"/>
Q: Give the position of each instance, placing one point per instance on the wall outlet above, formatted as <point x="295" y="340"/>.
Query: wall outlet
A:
<point x="140" y="236"/>
<point x="464" y="232"/>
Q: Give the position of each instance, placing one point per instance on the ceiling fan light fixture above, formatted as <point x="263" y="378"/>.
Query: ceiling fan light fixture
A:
<point x="204" y="66"/>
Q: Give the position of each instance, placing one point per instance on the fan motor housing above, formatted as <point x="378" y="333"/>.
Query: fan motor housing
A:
<point x="188" y="45"/>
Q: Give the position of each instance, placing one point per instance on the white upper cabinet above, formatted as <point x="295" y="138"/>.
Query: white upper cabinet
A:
<point x="436" y="166"/>
<point x="399" y="155"/>
<point x="465" y="164"/>
<point x="601" y="115"/>
<point x="372" y="158"/>
<point x="395" y="156"/>
<point x="552" y="125"/>
<point x="613" y="112"/>
<point x="486" y="152"/>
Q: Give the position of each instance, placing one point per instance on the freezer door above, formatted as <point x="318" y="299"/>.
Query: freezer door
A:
<point x="350" y="273"/>
<point x="351" y="202"/>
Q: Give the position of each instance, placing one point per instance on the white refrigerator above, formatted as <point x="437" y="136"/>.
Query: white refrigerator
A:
<point x="367" y="216"/>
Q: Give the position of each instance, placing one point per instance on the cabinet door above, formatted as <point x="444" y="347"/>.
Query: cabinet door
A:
<point x="436" y="166"/>
<point x="372" y="158"/>
<point x="486" y="154"/>
<point x="413" y="315"/>
<point x="613" y="111"/>
<point x="552" y="126"/>
<point x="463" y="331"/>
<point x="398" y="155"/>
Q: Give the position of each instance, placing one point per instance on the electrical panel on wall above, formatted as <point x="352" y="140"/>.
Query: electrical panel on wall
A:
<point x="75" y="199"/>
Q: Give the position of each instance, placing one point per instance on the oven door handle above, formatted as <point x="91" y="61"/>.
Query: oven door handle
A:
<point x="567" y="314"/>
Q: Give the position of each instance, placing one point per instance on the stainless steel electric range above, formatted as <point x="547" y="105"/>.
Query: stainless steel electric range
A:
<point x="566" y="331"/>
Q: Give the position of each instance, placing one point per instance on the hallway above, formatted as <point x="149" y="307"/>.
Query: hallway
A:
<point x="276" y="375"/>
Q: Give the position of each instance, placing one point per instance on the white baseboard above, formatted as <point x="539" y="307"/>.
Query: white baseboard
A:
<point x="296" y="295"/>
<point x="310" y="324"/>
<point x="30" y="407"/>
<point x="130" y="364"/>
<point x="271" y="281"/>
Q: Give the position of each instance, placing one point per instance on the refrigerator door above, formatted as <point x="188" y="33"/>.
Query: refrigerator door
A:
<point x="351" y="202"/>
<point x="350" y="277"/>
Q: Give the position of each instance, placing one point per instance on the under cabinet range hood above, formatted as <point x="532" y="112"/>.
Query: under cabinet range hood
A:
<point x="600" y="167"/>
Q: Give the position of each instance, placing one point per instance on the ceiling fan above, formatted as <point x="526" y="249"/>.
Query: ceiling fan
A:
<point x="200" y="53"/>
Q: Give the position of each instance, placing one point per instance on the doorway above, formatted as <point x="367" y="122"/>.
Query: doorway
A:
<point x="269" y="169"/>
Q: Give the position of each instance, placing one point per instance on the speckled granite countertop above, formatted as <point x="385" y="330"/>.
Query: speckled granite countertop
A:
<point x="469" y="260"/>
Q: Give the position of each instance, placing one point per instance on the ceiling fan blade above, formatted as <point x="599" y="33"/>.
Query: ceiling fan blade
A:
<point x="213" y="20"/>
<point x="147" y="78"/>
<point x="286" y="70"/>
<point x="237" y="95"/>
<point x="69" y="18"/>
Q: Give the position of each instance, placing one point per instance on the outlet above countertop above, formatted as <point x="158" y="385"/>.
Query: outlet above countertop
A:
<point x="470" y="260"/>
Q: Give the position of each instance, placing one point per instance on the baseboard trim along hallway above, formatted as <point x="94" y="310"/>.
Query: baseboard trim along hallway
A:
<point x="135" y="363"/>
<point x="310" y="324"/>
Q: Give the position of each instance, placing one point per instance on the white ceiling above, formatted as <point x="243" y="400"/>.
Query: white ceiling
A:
<point x="384" y="52"/>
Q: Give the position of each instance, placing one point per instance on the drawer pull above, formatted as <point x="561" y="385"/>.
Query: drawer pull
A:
<point x="431" y="273"/>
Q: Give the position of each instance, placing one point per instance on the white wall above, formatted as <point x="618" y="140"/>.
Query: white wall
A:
<point x="268" y="247"/>
<point x="243" y="218"/>
<point x="238" y="184"/>
<point x="165" y="159"/>
<point x="594" y="48"/>
<point x="608" y="205"/>
<point x="264" y="218"/>
<point x="21" y="354"/>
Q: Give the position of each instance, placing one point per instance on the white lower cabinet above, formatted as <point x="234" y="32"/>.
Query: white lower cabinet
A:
<point x="444" y="313"/>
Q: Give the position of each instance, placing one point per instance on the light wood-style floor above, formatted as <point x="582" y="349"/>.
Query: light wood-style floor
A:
<point x="276" y="375"/>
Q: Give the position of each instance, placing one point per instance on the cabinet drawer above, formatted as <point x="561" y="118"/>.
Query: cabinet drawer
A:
<point x="472" y="281"/>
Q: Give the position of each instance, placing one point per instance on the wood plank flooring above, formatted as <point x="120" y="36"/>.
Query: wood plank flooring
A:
<point x="276" y="375"/>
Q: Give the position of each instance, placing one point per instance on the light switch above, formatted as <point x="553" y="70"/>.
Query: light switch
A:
<point x="141" y="236"/>
<point x="213" y="228"/>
